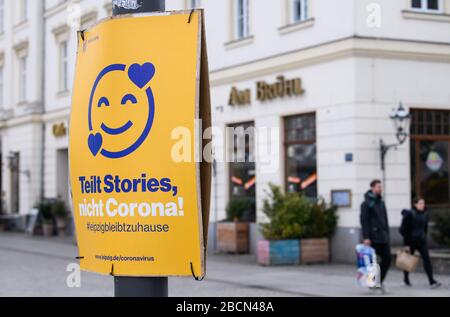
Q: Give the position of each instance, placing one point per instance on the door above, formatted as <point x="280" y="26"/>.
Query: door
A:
<point x="14" y="167"/>
<point x="430" y="146"/>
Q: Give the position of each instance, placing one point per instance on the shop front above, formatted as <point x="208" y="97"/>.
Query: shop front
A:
<point x="330" y="118"/>
<point x="274" y="103"/>
<point x="430" y="146"/>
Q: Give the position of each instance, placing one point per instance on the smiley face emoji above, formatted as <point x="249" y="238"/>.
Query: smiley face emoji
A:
<point x="121" y="110"/>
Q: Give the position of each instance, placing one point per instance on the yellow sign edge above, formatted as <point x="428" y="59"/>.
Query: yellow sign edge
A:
<point x="197" y="114"/>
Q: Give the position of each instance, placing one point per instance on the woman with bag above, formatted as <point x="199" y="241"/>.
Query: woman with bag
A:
<point x="414" y="230"/>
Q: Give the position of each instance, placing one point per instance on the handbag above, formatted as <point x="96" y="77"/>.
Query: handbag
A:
<point x="406" y="261"/>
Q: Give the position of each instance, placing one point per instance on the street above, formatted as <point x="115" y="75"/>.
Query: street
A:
<point x="37" y="267"/>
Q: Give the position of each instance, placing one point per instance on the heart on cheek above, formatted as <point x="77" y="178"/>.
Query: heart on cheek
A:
<point x="141" y="75"/>
<point x="95" y="143"/>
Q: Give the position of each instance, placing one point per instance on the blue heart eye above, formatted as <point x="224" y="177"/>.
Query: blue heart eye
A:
<point x="130" y="98"/>
<point x="103" y="101"/>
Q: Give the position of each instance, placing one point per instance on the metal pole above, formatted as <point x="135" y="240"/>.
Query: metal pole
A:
<point x="383" y="151"/>
<point x="139" y="286"/>
<point x="216" y="212"/>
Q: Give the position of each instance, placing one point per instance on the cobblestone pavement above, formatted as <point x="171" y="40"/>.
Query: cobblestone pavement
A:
<point x="38" y="267"/>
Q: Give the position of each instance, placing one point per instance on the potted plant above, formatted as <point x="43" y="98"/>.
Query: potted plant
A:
<point x="315" y="243"/>
<point x="233" y="233"/>
<point x="287" y="215"/>
<point x="59" y="212"/>
<point x="298" y="230"/>
<point x="46" y="214"/>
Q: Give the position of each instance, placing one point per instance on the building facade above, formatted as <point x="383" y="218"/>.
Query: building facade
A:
<point x="323" y="75"/>
<point x="37" y="58"/>
<point x="353" y="62"/>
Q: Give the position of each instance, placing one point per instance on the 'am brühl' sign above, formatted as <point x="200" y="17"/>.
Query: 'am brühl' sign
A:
<point x="265" y="91"/>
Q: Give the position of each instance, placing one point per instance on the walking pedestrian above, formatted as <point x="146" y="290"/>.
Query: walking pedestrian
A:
<point x="414" y="230"/>
<point x="375" y="226"/>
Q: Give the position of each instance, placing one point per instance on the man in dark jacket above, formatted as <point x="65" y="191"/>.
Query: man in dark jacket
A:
<point x="375" y="225"/>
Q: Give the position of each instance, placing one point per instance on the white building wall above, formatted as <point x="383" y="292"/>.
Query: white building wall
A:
<point x="26" y="140"/>
<point x="352" y="80"/>
<point x="353" y="74"/>
<point x="381" y="84"/>
<point x="20" y="128"/>
<point x="63" y="20"/>
<point x="267" y="19"/>
<point x="330" y="95"/>
<point x="25" y="39"/>
<point x="52" y="145"/>
<point x="399" y="21"/>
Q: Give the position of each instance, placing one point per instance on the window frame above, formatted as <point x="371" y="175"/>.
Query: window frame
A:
<point x="287" y="143"/>
<point x="23" y="13"/>
<point x="63" y="65"/>
<point x="2" y="16"/>
<point x="23" y="78"/>
<point x="244" y="18"/>
<point x="232" y="154"/>
<point x="417" y="138"/>
<point x="424" y="7"/>
<point x="304" y="14"/>
<point x="25" y="10"/>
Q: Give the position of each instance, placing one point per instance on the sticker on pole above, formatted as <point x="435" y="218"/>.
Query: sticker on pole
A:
<point x="138" y="210"/>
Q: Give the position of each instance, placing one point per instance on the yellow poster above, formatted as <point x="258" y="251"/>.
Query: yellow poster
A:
<point x="138" y="212"/>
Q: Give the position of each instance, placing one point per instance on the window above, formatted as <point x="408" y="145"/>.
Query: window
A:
<point x="427" y="5"/>
<point x="301" y="156"/>
<point x="242" y="167"/>
<point x="22" y="79"/>
<point x="192" y="4"/>
<point x="23" y="14"/>
<point x="430" y="149"/>
<point x="242" y="19"/>
<point x="14" y="169"/>
<point x="2" y="16"/>
<point x="2" y="84"/>
<point x="63" y="67"/>
<point x="299" y="10"/>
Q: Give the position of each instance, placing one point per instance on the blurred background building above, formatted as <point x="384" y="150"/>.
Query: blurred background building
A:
<point x="325" y="74"/>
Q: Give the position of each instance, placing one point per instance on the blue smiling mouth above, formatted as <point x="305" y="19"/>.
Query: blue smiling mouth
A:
<point x="117" y="131"/>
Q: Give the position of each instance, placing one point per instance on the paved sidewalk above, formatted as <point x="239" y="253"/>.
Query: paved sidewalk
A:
<point x="37" y="267"/>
